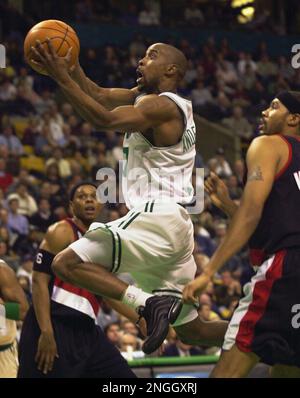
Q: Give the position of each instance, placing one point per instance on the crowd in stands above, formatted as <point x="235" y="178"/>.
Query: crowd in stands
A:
<point x="45" y="149"/>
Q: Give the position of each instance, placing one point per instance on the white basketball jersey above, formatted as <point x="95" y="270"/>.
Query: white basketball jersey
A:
<point x="163" y="173"/>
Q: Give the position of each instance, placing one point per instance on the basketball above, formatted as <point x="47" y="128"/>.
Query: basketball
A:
<point x="62" y="37"/>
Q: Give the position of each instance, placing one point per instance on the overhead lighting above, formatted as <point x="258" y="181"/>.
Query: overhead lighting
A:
<point x="247" y="12"/>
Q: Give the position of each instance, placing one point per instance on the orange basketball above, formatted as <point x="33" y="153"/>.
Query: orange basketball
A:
<point x="62" y="37"/>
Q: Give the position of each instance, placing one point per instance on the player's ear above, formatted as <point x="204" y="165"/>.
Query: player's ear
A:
<point x="171" y="69"/>
<point x="298" y="120"/>
<point x="294" y="120"/>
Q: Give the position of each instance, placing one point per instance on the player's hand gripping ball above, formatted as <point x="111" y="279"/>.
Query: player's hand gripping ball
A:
<point x="62" y="38"/>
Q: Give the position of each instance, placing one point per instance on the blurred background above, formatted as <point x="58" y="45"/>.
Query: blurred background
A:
<point x="239" y="56"/>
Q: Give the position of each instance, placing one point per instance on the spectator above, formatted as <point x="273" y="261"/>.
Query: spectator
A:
<point x="226" y="73"/>
<point x="128" y="344"/>
<point x="113" y="333"/>
<point x="246" y="64"/>
<point x="66" y="111"/>
<point x="72" y="142"/>
<point x="88" y="141"/>
<point x="201" y="95"/>
<point x="193" y="15"/>
<point x="55" y="116"/>
<point x="11" y="141"/>
<point x="44" y="217"/>
<point x="55" y="132"/>
<point x="43" y="142"/>
<point x="8" y="91"/>
<point x="222" y="166"/>
<point x="148" y="17"/>
<point x="128" y="327"/>
<point x="31" y="131"/>
<point x="234" y="190"/>
<point x="220" y="229"/>
<point x="266" y="68"/>
<point x="206" y="314"/>
<point x="238" y="124"/>
<point x="27" y="204"/>
<point x="62" y="164"/>
<point x="16" y="223"/>
<point x="233" y="287"/>
<point x="45" y="101"/>
<point x="249" y="77"/>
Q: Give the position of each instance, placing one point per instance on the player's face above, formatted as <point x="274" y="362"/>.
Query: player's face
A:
<point x="151" y="68"/>
<point x="273" y="119"/>
<point x="85" y="205"/>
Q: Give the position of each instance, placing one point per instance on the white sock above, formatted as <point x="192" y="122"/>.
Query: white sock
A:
<point x="135" y="297"/>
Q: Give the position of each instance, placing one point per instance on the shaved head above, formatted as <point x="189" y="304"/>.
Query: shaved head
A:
<point x="174" y="56"/>
<point x="161" y="69"/>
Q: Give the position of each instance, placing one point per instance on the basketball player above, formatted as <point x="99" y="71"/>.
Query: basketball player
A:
<point x="154" y="241"/>
<point x="59" y="337"/>
<point x="265" y="326"/>
<point x="13" y="307"/>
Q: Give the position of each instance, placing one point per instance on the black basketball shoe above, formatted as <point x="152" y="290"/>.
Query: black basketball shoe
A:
<point x="159" y="312"/>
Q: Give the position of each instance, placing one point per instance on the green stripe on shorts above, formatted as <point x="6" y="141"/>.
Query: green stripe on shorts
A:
<point x="130" y="220"/>
<point x="151" y="206"/>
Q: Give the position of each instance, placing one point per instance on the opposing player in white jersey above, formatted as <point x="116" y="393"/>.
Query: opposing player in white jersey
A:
<point x="154" y="241"/>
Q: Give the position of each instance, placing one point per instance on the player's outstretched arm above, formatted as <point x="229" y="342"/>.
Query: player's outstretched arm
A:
<point x="108" y="97"/>
<point x="150" y="111"/>
<point x="262" y="164"/>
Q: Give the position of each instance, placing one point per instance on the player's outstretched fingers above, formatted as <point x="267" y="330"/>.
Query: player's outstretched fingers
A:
<point x="214" y="178"/>
<point x="69" y="54"/>
<point x="51" y="48"/>
<point x="38" y="55"/>
<point x="41" y="50"/>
